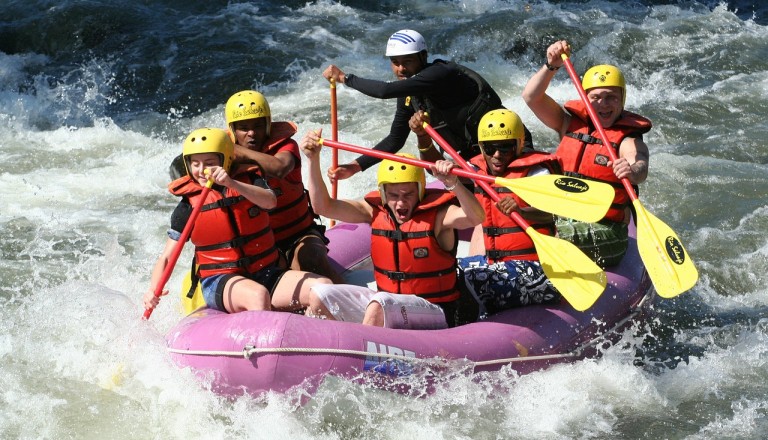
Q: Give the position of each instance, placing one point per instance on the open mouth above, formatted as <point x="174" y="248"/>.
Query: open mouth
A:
<point x="497" y="166"/>
<point x="605" y="115"/>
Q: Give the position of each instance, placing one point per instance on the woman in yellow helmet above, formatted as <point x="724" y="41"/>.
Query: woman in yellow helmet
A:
<point x="269" y="144"/>
<point x="583" y="154"/>
<point x="235" y="254"/>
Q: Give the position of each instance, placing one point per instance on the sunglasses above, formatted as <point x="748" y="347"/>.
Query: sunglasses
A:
<point x="502" y="147"/>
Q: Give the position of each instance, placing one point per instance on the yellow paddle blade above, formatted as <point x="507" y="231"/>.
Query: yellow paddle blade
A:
<point x="666" y="260"/>
<point x="580" y="199"/>
<point x="189" y="305"/>
<point x="573" y="274"/>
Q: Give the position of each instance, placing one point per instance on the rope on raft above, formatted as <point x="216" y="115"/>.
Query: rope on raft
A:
<point x="250" y="350"/>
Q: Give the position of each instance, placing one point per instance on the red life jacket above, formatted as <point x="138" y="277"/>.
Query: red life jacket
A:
<point x="504" y="239"/>
<point x="583" y="154"/>
<point x="407" y="258"/>
<point x="292" y="213"/>
<point x="231" y="234"/>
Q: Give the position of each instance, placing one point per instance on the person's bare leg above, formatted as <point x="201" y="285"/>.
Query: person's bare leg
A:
<point x="311" y="255"/>
<point x="294" y="292"/>
<point x="242" y="294"/>
<point x="374" y="315"/>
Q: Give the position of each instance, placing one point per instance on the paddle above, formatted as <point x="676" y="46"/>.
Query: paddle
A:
<point x="668" y="264"/>
<point x="573" y="274"/>
<point x="189" y="305"/>
<point x="179" y="246"/>
<point x="335" y="137"/>
<point x="559" y="195"/>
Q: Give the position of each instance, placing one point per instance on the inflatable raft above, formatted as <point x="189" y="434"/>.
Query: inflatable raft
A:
<point x="256" y="352"/>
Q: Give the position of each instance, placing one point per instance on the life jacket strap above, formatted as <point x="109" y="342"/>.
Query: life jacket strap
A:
<point x="402" y="276"/>
<point x="223" y="203"/>
<point x="236" y="242"/>
<point x="400" y="235"/>
<point x="242" y="263"/>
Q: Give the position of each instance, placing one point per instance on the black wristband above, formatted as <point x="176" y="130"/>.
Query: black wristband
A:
<point x="550" y="67"/>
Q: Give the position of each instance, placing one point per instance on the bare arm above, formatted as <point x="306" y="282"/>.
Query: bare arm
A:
<point x="278" y="165"/>
<point x="427" y="149"/>
<point x="543" y="106"/>
<point x="261" y="197"/>
<point x="150" y="300"/>
<point x="477" y="242"/>
<point x="350" y="211"/>
<point x="633" y="160"/>
<point x="469" y="212"/>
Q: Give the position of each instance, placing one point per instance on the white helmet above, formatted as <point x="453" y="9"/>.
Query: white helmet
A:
<point x="405" y="42"/>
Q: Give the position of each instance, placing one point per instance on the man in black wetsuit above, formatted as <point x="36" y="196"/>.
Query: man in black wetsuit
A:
<point x="453" y="96"/>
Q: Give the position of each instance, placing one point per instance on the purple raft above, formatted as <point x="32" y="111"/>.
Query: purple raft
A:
<point x="256" y="352"/>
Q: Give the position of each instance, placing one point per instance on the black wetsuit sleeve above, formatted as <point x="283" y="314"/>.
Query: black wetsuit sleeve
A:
<point x="430" y="80"/>
<point x="180" y="216"/>
<point x="436" y="80"/>
<point x="395" y="140"/>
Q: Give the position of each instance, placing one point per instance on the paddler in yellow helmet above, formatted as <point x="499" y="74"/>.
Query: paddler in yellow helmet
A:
<point x="583" y="154"/>
<point x="236" y="261"/>
<point x="300" y="238"/>
<point x="503" y="269"/>
<point x="413" y="241"/>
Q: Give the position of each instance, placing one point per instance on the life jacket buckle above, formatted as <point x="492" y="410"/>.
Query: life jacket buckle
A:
<point x="396" y="276"/>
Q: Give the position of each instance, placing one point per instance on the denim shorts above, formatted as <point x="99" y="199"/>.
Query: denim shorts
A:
<point x="213" y="286"/>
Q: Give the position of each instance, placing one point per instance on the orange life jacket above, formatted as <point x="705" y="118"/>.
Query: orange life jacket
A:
<point x="292" y="214"/>
<point x="231" y="234"/>
<point x="407" y="258"/>
<point x="583" y="154"/>
<point x="504" y="239"/>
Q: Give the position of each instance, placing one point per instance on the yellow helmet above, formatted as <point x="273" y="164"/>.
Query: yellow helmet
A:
<point x="605" y="75"/>
<point x="247" y="104"/>
<point x="209" y="140"/>
<point x="391" y="171"/>
<point x="501" y="125"/>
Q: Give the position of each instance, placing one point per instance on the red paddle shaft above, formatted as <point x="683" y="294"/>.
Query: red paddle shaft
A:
<point x="334" y="135"/>
<point x="408" y="160"/>
<point x="465" y="166"/>
<point x="611" y="152"/>
<point x="179" y="246"/>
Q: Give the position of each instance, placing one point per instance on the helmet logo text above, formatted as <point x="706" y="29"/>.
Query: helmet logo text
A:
<point x="242" y="112"/>
<point x="487" y="133"/>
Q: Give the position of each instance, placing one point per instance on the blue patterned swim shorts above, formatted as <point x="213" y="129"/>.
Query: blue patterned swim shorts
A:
<point x="504" y="285"/>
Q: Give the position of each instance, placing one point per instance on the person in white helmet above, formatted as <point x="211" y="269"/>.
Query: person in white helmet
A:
<point x="454" y="96"/>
